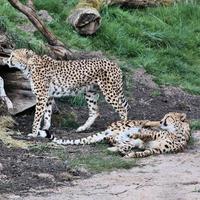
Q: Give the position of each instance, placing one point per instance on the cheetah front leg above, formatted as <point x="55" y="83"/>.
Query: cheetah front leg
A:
<point x="91" y="98"/>
<point x="144" y="136"/>
<point x="41" y="102"/>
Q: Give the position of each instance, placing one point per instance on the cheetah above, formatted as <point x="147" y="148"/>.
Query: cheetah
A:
<point x="117" y="133"/>
<point x="171" y="134"/>
<point x="173" y="137"/>
<point x="51" y="78"/>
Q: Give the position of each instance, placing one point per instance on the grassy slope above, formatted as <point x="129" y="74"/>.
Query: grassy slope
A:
<point x="165" y="40"/>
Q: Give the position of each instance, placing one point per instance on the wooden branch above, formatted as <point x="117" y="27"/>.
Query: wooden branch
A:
<point x="85" y="18"/>
<point x="58" y="49"/>
<point x="17" y="88"/>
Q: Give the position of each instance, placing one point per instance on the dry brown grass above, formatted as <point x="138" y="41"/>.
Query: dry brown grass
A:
<point x="6" y="123"/>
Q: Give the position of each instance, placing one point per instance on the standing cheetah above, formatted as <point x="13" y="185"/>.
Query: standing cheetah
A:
<point x="50" y="78"/>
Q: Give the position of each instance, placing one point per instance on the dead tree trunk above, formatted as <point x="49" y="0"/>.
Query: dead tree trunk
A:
<point x="139" y="3"/>
<point x="85" y="18"/>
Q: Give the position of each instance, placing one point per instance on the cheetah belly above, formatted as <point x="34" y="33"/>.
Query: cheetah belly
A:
<point x="59" y="91"/>
<point x="127" y="133"/>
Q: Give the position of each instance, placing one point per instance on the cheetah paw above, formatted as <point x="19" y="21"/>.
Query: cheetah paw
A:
<point x="42" y="133"/>
<point x="126" y="156"/>
<point x="81" y="128"/>
<point x="32" y="135"/>
<point x="112" y="149"/>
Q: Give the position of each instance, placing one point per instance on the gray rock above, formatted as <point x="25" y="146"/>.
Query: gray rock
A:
<point x="46" y="176"/>
<point x="44" y="15"/>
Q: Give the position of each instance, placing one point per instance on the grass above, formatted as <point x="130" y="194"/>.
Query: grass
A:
<point x="102" y="160"/>
<point x="163" y="40"/>
<point x="6" y="123"/>
<point x="98" y="161"/>
<point x="195" y="125"/>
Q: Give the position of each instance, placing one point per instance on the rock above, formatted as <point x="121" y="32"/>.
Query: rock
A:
<point x="27" y="28"/>
<point x="44" y="15"/>
<point x="46" y="176"/>
<point x="80" y="171"/>
<point x="65" y="176"/>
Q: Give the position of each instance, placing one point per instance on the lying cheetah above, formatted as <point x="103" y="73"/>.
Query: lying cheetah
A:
<point x="117" y="133"/>
<point x="124" y="136"/>
<point x="50" y="78"/>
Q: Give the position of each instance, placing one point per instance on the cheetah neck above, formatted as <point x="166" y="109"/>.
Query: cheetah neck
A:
<point x="27" y="73"/>
<point x="184" y="130"/>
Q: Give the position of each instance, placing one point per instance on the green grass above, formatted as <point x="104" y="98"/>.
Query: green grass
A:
<point x="97" y="161"/>
<point x="195" y="125"/>
<point x="163" y="40"/>
<point x="102" y="160"/>
<point x="155" y="93"/>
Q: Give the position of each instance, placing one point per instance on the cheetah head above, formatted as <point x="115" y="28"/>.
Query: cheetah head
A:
<point x="173" y="121"/>
<point x="19" y="58"/>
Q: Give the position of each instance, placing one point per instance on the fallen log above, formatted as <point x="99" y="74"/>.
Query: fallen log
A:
<point x="58" y="49"/>
<point x="139" y="3"/>
<point x="85" y="18"/>
<point x="18" y="90"/>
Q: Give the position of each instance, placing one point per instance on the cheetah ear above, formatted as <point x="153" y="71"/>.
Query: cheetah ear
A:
<point x="182" y="117"/>
<point x="29" y="54"/>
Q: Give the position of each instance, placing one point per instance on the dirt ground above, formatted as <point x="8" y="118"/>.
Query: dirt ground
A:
<point x="163" y="177"/>
<point x="23" y="171"/>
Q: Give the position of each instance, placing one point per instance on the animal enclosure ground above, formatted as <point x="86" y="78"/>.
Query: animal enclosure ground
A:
<point x="47" y="166"/>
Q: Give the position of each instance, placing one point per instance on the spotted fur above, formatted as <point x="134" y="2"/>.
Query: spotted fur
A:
<point x="169" y="135"/>
<point x="116" y="133"/>
<point x="173" y="138"/>
<point x="50" y="78"/>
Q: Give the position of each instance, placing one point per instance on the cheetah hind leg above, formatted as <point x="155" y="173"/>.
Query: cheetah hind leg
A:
<point x="125" y="147"/>
<point x="115" y="97"/>
<point x="91" y="98"/>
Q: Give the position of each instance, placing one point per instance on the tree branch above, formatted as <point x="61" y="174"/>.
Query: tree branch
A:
<point x="57" y="47"/>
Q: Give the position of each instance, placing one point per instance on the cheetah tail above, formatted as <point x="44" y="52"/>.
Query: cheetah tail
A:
<point x="87" y="140"/>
